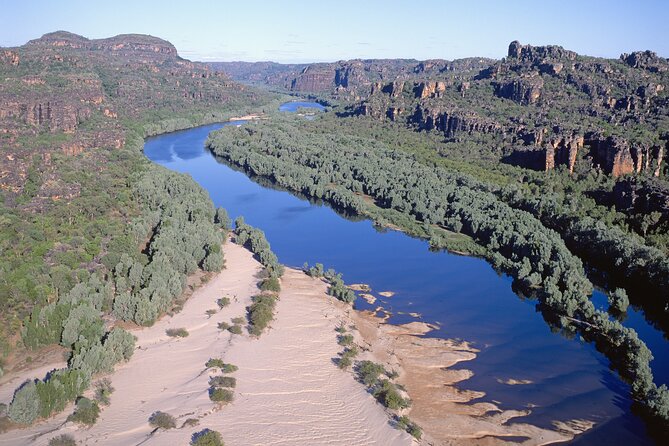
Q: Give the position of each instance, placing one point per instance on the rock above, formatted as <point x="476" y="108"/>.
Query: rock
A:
<point x="537" y="54"/>
<point x="432" y="89"/>
<point x="9" y="57"/>
<point x="525" y="90"/>
<point x="615" y="156"/>
<point x="452" y="122"/>
<point x="647" y="60"/>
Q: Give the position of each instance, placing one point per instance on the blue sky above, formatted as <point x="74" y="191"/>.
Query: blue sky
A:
<point x="319" y="30"/>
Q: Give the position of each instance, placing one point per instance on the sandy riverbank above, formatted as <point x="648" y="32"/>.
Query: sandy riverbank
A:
<point x="288" y="389"/>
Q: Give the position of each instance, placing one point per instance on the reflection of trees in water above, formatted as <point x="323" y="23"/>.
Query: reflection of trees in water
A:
<point x="269" y="184"/>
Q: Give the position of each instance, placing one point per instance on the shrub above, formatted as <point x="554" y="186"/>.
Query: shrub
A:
<point x="229" y="368"/>
<point x="190" y="422"/>
<point x="63" y="440"/>
<point x="412" y="428"/>
<point x="214" y="362"/>
<point x="238" y="320"/>
<point x="223" y="381"/>
<point x="235" y="329"/>
<point x="211" y="312"/>
<point x="177" y="332"/>
<point x="341" y="329"/>
<point x="223" y="325"/>
<point x="261" y="312"/>
<point x="162" y="420"/>
<point x="270" y="284"/>
<point x="220" y="395"/>
<point x="103" y="391"/>
<point x="345" y="340"/>
<point x="369" y="372"/>
<point x="206" y="437"/>
<point x="86" y="412"/>
<point x="223" y="302"/>
<point x="347" y="356"/>
<point x="387" y="394"/>
<point x="25" y="407"/>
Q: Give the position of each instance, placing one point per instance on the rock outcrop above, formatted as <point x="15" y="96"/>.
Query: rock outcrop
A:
<point x="524" y="90"/>
<point x="616" y="156"/>
<point x="535" y="54"/>
<point x="647" y="60"/>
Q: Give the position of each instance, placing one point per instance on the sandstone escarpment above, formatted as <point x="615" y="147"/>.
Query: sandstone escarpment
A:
<point x="617" y="156"/>
<point x="524" y="90"/>
<point x="534" y="54"/>
<point x="452" y="122"/>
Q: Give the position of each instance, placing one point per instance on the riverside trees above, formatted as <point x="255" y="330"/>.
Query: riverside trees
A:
<point x="364" y="176"/>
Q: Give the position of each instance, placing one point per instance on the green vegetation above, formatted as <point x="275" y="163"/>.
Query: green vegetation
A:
<point x="346" y="357"/>
<point x="345" y="340"/>
<point x="86" y="412"/>
<point x="103" y="391"/>
<point x="207" y="437"/>
<point x="412" y="428"/>
<point x="362" y="174"/>
<point x="220" y="364"/>
<point x="223" y="325"/>
<point x="261" y="313"/>
<point x="235" y="329"/>
<point x="223" y="381"/>
<point x="220" y="395"/>
<point x="618" y="300"/>
<point x="337" y="287"/>
<point x="254" y="239"/>
<point x="162" y="420"/>
<point x="223" y="302"/>
<point x="370" y="373"/>
<point x="270" y="284"/>
<point x="238" y="320"/>
<point x="63" y="440"/>
<point x="176" y="332"/>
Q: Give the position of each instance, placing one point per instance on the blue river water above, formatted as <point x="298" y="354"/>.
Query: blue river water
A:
<point x="468" y="300"/>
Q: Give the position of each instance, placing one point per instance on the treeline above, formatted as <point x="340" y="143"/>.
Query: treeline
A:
<point x="343" y="169"/>
<point x="254" y="239"/>
<point x="337" y="287"/>
<point x="180" y="232"/>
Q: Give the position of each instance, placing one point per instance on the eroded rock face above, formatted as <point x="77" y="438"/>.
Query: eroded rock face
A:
<point x="616" y="156"/>
<point x="647" y="60"/>
<point x="432" y="89"/>
<point x="312" y="79"/>
<point x="562" y="151"/>
<point x="9" y="57"/>
<point x="452" y="122"/>
<point x="529" y="53"/>
<point x="525" y="91"/>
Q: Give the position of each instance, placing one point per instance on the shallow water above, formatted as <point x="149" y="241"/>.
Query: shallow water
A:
<point x="463" y="295"/>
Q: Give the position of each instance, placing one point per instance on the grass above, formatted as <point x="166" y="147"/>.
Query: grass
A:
<point x="176" y="332"/>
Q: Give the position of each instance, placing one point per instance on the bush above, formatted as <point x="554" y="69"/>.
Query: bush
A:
<point x="103" y="391"/>
<point x="220" y="395"/>
<point x="86" y="412"/>
<point x="162" y="420"/>
<point x="211" y="312"/>
<point x="341" y="329"/>
<point x="270" y="284"/>
<point x="238" y="320"/>
<point x="229" y="368"/>
<point x="223" y="326"/>
<point x="206" y="437"/>
<point x="223" y="302"/>
<point x="345" y="340"/>
<point x="177" y="332"/>
<point x="25" y="407"/>
<point x="63" y="440"/>
<point x="387" y="393"/>
<point x="261" y="312"/>
<point x="190" y="422"/>
<point x="223" y="381"/>
<point x="369" y="372"/>
<point x="347" y="356"/>
<point x="412" y="428"/>
<point x="235" y="329"/>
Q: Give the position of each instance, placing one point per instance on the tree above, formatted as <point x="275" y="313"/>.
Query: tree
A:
<point x="25" y="406"/>
<point x="207" y="437"/>
<point x="162" y="420"/>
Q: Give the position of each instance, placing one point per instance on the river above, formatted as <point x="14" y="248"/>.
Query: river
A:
<point x="567" y="378"/>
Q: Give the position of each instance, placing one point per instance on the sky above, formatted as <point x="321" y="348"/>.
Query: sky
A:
<point x="292" y="31"/>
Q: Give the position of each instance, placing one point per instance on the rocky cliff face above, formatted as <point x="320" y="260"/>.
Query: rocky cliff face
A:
<point x="525" y="90"/>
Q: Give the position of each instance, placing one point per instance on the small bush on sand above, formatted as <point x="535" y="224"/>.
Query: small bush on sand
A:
<point x="103" y="391"/>
<point x="369" y="372"/>
<point x="211" y="312"/>
<point x="86" y="412"/>
<point x="388" y="395"/>
<point x="229" y="368"/>
<point x="176" y="332"/>
<point x="190" y="422"/>
<point x="206" y="437"/>
<point x="345" y="340"/>
<point x="405" y="424"/>
<point x="238" y="320"/>
<point x="220" y="395"/>
<point x="341" y="329"/>
<point x="162" y="420"/>
<point x="223" y="381"/>
<point x="347" y="356"/>
<point x="223" y="302"/>
<point x="223" y="325"/>
<point x="235" y="329"/>
<point x="214" y="362"/>
<point x="63" y="440"/>
<point x="261" y="313"/>
<point x="270" y="284"/>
